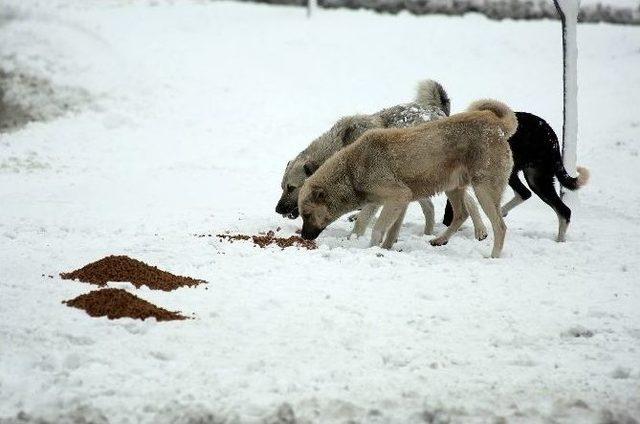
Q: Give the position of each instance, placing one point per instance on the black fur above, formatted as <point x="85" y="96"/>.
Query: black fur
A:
<point x="536" y="152"/>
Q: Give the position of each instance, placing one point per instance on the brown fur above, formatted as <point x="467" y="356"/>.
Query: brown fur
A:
<point x="395" y="166"/>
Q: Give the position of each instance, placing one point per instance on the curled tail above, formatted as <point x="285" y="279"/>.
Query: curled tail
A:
<point x="506" y="118"/>
<point x="572" y="183"/>
<point x="431" y="93"/>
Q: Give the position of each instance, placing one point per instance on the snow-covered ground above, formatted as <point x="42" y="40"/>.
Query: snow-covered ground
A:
<point x="187" y="116"/>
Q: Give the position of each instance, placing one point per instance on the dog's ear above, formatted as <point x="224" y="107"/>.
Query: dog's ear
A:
<point x="348" y="135"/>
<point x="352" y="127"/>
<point x="309" y="168"/>
<point x="318" y="194"/>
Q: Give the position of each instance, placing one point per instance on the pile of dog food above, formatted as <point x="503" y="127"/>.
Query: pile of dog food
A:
<point x="124" y="268"/>
<point x="118" y="303"/>
<point x="265" y="239"/>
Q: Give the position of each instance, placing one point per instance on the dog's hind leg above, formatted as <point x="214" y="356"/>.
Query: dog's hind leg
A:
<point x="520" y="193"/>
<point x="392" y="234"/>
<point x="429" y="214"/>
<point x="364" y="218"/>
<point x="480" y="231"/>
<point x="391" y="212"/>
<point x="489" y="198"/>
<point x="460" y="214"/>
<point x="542" y="184"/>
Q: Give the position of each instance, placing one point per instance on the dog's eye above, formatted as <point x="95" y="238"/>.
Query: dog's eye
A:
<point x="306" y="216"/>
<point x="290" y="188"/>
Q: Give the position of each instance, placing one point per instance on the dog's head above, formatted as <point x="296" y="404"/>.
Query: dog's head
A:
<point x="322" y="201"/>
<point x="315" y="209"/>
<point x="298" y="170"/>
<point x="343" y="133"/>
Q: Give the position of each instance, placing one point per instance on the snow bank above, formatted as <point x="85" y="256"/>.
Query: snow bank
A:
<point x="615" y="11"/>
<point x="195" y="108"/>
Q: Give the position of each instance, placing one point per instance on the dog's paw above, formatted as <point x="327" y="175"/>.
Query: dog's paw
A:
<point x="439" y="241"/>
<point x="388" y="244"/>
<point x="480" y="233"/>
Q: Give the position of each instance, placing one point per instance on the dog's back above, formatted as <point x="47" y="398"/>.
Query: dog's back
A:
<point x="431" y="103"/>
<point x="453" y="151"/>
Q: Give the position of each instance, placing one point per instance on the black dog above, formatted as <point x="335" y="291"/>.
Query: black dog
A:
<point x="536" y="152"/>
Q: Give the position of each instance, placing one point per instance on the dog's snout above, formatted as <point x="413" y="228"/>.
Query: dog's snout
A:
<point x="280" y="208"/>
<point x="310" y="233"/>
<point x="286" y="205"/>
<point x="287" y="208"/>
<point x="307" y="235"/>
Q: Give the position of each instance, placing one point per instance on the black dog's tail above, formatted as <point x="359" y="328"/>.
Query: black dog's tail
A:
<point x="567" y="181"/>
<point x="572" y="183"/>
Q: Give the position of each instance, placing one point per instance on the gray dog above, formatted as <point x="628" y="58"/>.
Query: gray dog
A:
<point x="431" y="102"/>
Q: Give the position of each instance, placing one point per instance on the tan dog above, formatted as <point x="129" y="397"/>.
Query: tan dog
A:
<point x="393" y="167"/>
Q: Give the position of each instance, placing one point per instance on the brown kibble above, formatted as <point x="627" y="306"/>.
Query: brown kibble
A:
<point x="118" y="303"/>
<point x="126" y="269"/>
<point x="263" y="240"/>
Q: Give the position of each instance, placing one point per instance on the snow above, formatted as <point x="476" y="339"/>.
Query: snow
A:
<point x="193" y="109"/>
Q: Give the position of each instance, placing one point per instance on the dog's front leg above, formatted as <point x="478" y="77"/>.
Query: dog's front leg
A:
<point x="429" y="214"/>
<point x="389" y="215"/>
<point x="392" y="234"/>
<point x="363" y="219"/>
<point x="520" y="193"/>
<point x="511" y="204"/>
<point x="396" y="198"/>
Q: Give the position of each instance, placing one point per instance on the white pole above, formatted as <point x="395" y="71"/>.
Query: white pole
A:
<point x="568" y="10"/>
<point x="311" y="6"/>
